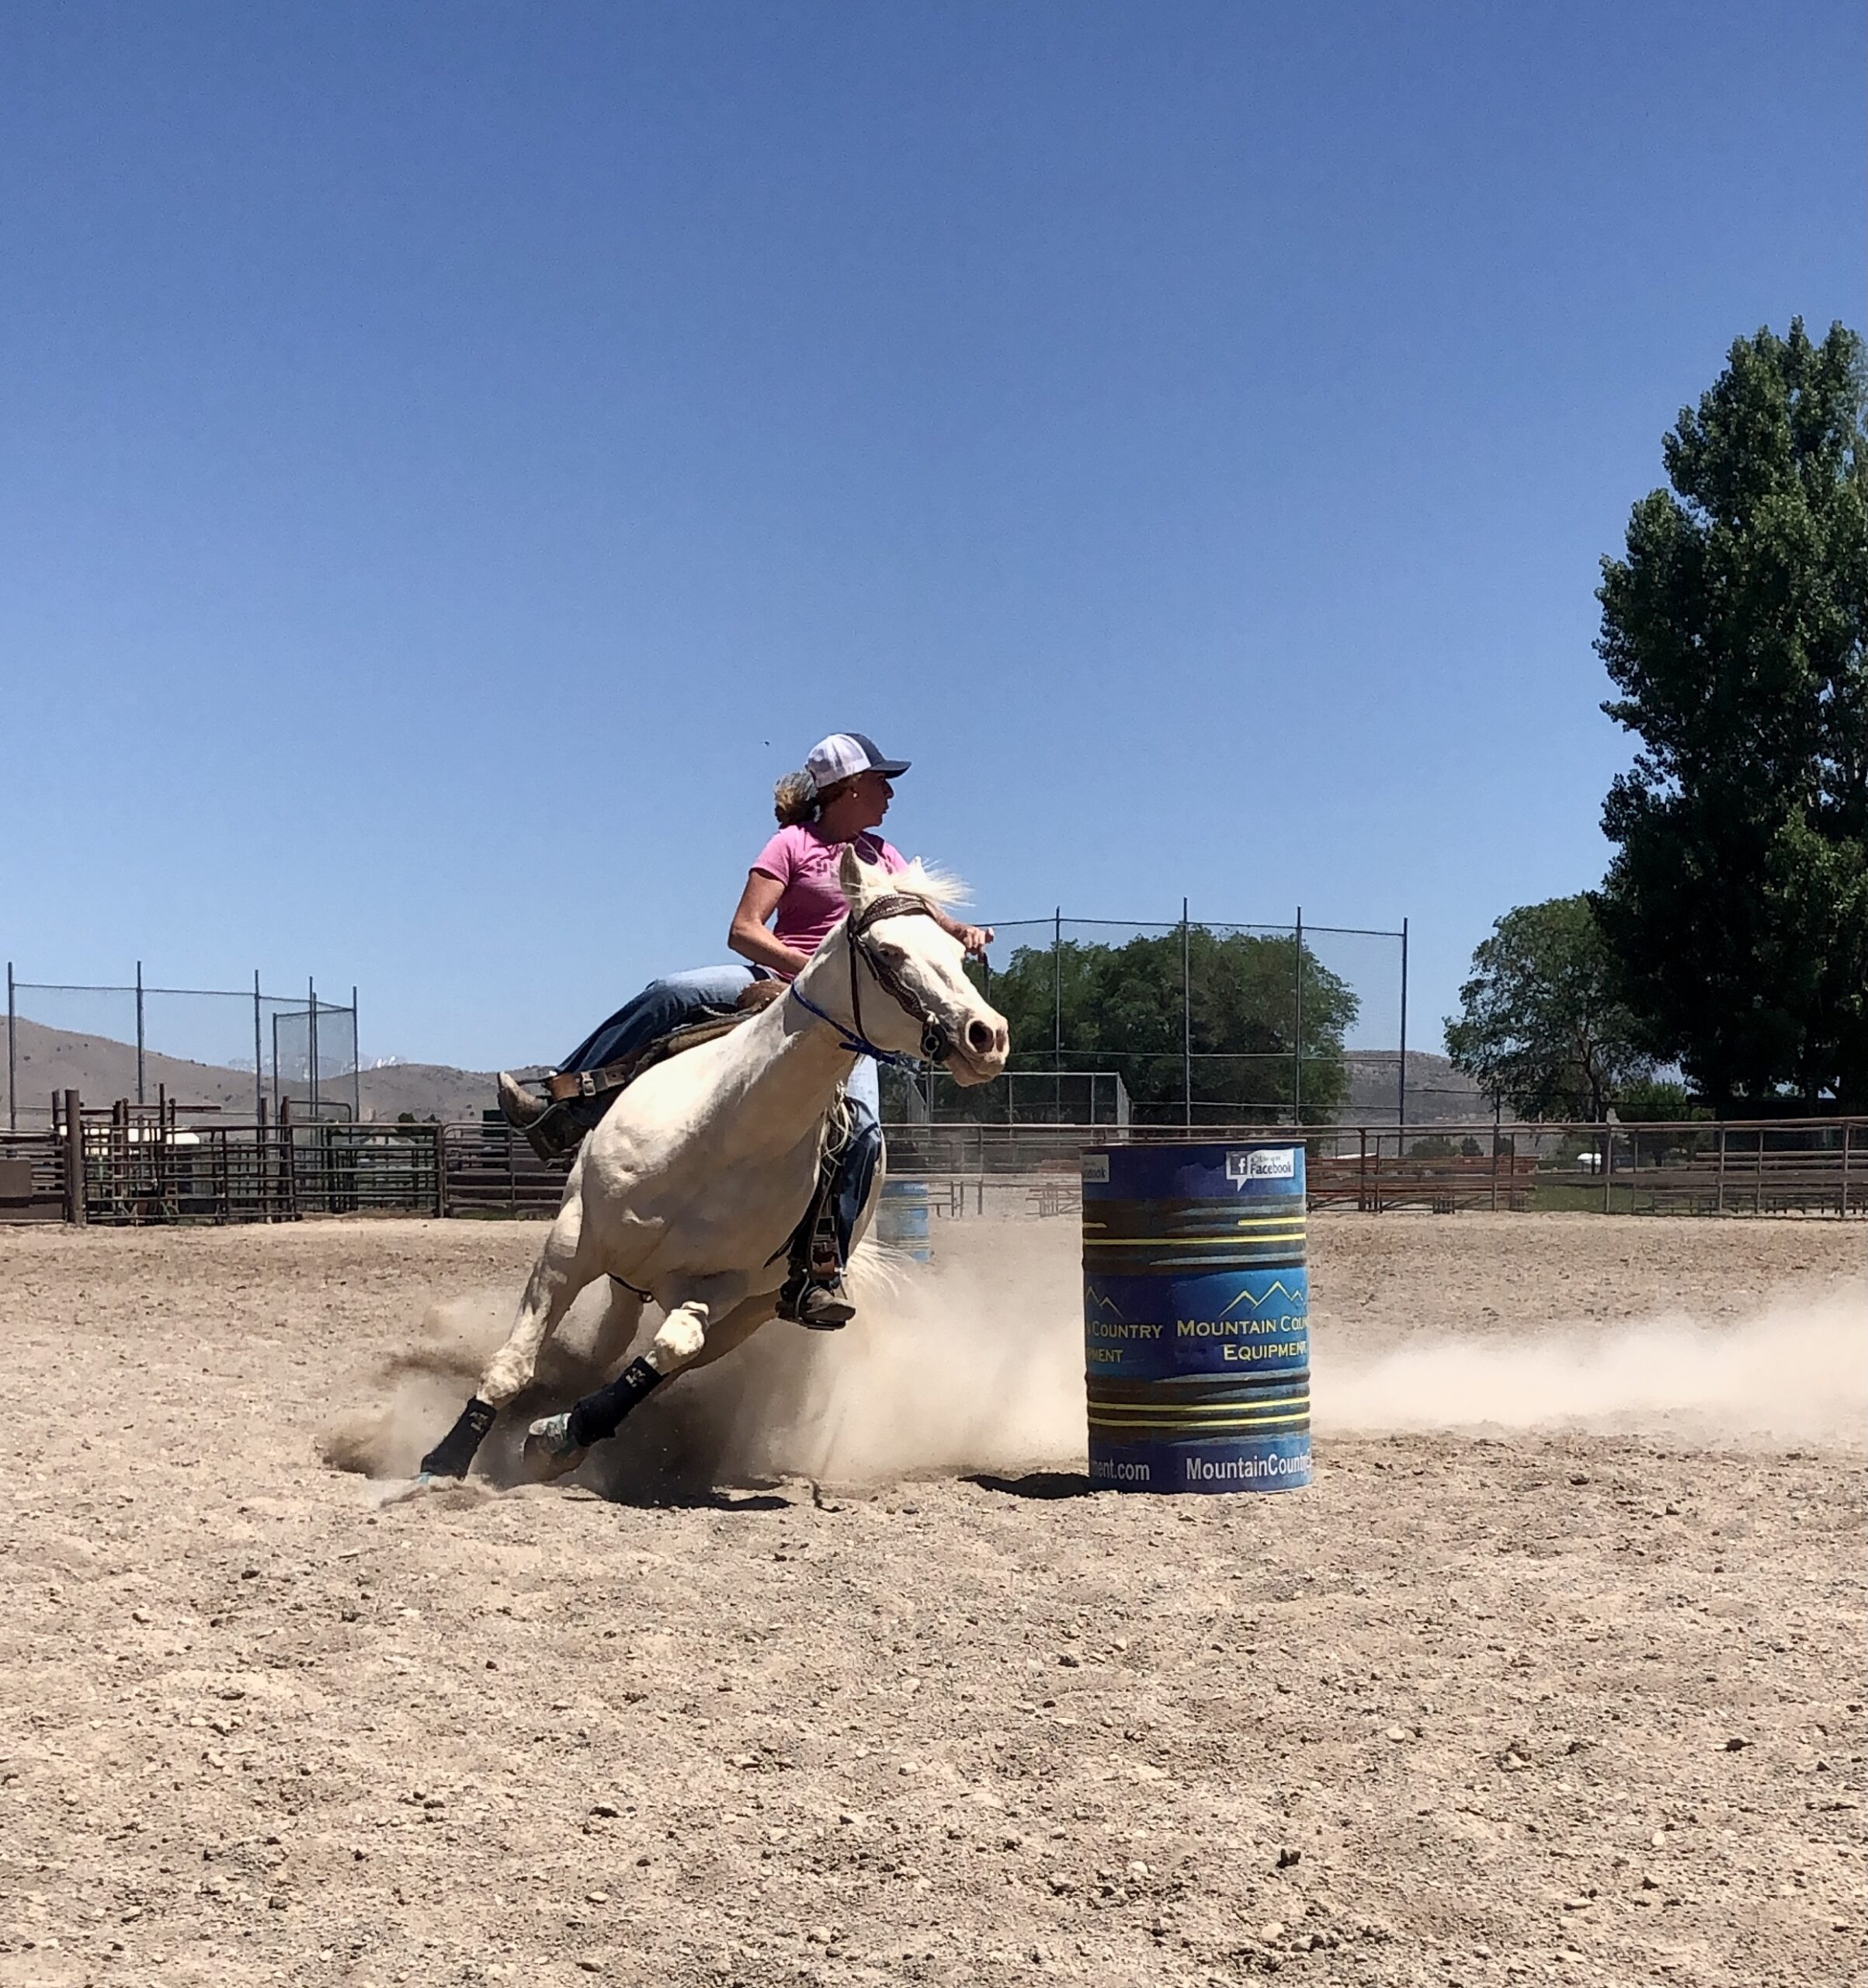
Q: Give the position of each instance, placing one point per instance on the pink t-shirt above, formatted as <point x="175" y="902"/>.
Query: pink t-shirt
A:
<point x="804" y="860"/>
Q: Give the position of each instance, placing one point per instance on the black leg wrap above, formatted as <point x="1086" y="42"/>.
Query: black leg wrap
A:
<point x="450" y="1456"/>
<point x="598" y="1416"/>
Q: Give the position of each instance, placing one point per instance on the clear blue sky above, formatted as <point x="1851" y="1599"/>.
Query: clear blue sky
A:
<point x="457" y="455"/>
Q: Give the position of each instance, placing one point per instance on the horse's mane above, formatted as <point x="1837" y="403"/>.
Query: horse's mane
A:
<point x="934" y="886"/>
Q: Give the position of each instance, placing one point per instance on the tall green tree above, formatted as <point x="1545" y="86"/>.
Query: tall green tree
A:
<point x="1120" y="1008"/>
<point x="1542" y="1024"/>
<point x="1736" y="629"/>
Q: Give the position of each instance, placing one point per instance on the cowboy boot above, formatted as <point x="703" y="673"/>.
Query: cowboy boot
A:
<point x="520" y="1108"/>
<point x="550" y="1128"/>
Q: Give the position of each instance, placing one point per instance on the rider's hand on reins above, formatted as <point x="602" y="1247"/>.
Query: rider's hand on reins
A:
<point x="976" y="939"/>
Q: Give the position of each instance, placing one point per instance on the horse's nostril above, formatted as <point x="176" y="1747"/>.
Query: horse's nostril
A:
<point x="981" y="1038"/>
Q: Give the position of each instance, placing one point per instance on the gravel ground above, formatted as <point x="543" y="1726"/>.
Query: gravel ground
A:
<point x="1490" y="1703"/>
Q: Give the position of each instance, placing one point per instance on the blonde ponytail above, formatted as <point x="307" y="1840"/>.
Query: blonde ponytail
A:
<point x="795" y="800"/>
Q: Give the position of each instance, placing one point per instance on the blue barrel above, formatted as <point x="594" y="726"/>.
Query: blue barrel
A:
<point x="901" y="1218"/>
<point x="1196" y="1317"/>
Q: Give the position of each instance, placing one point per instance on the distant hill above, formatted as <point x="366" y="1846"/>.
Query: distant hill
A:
<point x="1437" y="1093"/>
<point x="101" y="1070"/>
<point x="429" y="1090"/>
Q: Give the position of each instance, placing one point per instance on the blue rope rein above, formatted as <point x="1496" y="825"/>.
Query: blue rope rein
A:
<point x="859" y="1045"/>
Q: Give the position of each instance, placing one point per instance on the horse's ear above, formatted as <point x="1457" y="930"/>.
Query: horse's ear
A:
<point x="850" y="869"/>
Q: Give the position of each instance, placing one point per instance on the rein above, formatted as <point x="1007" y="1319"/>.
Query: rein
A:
<point x="936" y="1044"/>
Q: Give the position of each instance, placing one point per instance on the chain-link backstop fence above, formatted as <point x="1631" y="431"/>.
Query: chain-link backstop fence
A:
<point x="1204" y="1022"/>
<point x="239" y="1052"/>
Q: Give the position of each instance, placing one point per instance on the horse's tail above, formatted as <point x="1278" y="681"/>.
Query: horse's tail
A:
<point x="876" y="1270"/>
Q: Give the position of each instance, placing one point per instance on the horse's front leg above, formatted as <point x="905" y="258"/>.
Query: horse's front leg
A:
<point x="562" y="1270"/>
<point x="706" y="1310"/>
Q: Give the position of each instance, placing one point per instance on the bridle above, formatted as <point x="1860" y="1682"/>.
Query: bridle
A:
<point x="936" y="1040"/>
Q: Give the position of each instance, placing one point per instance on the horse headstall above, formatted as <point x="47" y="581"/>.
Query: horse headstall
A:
<point x="936" y="1040"/>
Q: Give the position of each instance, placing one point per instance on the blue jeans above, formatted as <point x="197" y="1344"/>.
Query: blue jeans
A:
<point x="665" y="1004"/>
<point x="662" y="1005"/>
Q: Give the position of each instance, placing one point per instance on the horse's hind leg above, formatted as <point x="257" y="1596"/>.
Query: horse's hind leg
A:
<point x="559" y="1274"/>
<point x="551" y="1450"/>
<point x="558" y="1443"/>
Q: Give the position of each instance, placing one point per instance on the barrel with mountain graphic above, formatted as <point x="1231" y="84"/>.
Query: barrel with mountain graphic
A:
<point x="1196" y="1316"/>
<point x="901" y="1218"/>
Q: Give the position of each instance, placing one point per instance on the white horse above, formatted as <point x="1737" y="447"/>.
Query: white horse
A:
<point x="690" y="1187"/>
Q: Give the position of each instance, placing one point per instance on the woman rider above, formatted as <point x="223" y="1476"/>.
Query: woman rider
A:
<point x="791" y="902"/>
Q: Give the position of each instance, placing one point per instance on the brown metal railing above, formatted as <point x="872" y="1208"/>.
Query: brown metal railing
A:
<point x="1739" y="1166"/>
<point x="132" y="1164"/>
<point x="32" y="1178"/>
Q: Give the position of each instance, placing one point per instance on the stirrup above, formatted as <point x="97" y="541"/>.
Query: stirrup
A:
<point x="817" y="1306"/>
<point x="554" y="1134"/>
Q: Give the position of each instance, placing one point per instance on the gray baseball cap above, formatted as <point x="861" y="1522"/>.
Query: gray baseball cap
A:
<point x="844" y="753"/>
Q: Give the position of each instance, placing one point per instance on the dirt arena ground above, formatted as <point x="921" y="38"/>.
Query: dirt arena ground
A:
<point x="1493" y="1702"/>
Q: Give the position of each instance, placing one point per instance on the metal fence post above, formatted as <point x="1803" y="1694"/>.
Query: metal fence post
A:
<point x="139" y="1031"/>
<point x="259" y="1092"/>
<point x="311" y="1041"/>
<point x="13" y="1031"/>
<point x="1056" y="1008"/>
<point x="1401" y="1101"/>
<point x="1296" y="1058"/>
<point x="75" y="1209"/>
<point x="1057" y="985"/>
<point x="357" y="1066"/>
<point x="288" y="1163"/>
<point x="1497" y="1112"/>
<point x="1186" y="1017"/>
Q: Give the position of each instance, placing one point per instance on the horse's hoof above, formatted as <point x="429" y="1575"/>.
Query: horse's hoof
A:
<point x="549" y="1451"/>
<point x="453" y="1457"/>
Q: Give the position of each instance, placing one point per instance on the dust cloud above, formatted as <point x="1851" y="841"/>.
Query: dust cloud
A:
<point x="963" y="1365"/>
<point x="412" y="1399"/>
<point x="975" y="1363"/>
<point x="1798" y="1371"/>
<point x="966" y="1365"/>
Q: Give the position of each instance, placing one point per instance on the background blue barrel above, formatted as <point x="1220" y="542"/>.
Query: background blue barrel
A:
<point x="901" y="1218"/>
<point x="1196" y="1317"/>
